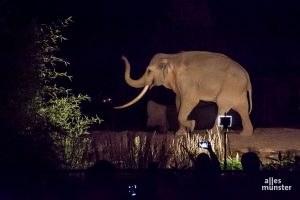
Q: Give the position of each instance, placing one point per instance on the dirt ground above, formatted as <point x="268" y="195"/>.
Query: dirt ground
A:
<point x="267" y="141"/>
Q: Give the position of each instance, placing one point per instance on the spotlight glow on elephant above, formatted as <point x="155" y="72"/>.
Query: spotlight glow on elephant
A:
<point x="195" y="76"/>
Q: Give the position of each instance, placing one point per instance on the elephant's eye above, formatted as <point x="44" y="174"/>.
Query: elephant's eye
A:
<point x="149" y="71"/>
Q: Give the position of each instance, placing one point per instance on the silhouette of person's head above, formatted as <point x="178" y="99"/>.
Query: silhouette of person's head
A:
<point x="250" y="162"/>
<point x="152" y="166"/>
<point x="101" y="170"/>
<point x="203" y="163"/>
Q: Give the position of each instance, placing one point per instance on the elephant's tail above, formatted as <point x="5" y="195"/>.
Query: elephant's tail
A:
<point x="249" y="90"/>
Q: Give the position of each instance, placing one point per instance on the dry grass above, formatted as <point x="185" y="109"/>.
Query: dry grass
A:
<point x="136" y="149"/>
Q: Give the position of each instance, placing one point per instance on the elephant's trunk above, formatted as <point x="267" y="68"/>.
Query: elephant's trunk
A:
<point x="135" y="99"/>
<point x="133" y="83"/>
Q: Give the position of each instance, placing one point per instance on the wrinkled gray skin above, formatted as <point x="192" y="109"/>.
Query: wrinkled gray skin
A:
<point x="195" y="76"/>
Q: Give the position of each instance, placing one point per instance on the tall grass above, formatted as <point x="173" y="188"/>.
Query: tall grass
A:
<point x="136" y="150"/>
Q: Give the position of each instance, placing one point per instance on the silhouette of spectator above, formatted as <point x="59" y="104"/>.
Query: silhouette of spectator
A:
<point x="102" y="170"/>
<point x="207" y="163"/>
<point x="152" y="168"/>
<point x="250" y="162"/>
<point x="102" y="182"/>
<point x="206" y="177"/>
<point x="247" y="185"/>
<point x="148" y="186"/>
<point x="203" y="163"/>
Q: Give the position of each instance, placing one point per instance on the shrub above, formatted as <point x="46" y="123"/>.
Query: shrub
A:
<point x="56" y="109"/>
<point x="284" y="161"/>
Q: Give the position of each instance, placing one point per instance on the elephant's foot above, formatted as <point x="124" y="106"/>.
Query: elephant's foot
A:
<point x="193" y="124"/>
<point x="181" y="132"/>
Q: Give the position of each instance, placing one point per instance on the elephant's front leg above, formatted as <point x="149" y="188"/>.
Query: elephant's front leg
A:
<point x="186" y="106"/>
<point x="182" y="130"/>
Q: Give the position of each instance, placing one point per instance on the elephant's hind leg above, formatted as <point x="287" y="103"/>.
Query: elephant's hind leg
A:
<point x="242" y="109"/>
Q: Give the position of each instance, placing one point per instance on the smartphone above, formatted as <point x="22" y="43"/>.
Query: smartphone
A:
<point x="203" y="145"/>
<point x="132" y="190"/>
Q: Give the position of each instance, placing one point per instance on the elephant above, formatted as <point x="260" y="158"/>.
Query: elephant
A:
<point x="160" y="117"/>
<point x="194" y="76"/>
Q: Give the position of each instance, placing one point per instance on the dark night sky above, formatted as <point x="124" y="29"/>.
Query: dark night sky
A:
<point x="262" y="35"/>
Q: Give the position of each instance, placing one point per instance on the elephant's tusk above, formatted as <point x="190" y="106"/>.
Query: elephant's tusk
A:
<point x="135" y="99"/>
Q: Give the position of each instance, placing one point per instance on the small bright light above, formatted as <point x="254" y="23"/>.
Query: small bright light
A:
<point x="131" y="190"/>
<point x="106" y="100"/>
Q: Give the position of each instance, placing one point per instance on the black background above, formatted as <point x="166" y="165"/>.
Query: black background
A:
<point x="262" y="35"/>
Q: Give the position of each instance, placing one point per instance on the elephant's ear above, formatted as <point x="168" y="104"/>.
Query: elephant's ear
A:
<point x="165" y="67"/>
